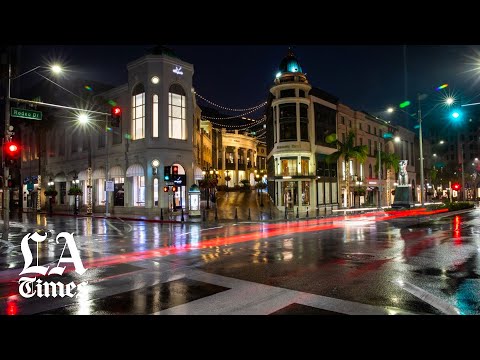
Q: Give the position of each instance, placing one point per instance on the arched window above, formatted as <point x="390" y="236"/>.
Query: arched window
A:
<point x="138" y="112"/>
<point x="155" y="115"/>
<point x="177" y="113"/>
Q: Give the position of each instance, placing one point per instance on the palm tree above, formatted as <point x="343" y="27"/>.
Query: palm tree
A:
<point x="391" y="161"/>
<point x="348" y="151"/>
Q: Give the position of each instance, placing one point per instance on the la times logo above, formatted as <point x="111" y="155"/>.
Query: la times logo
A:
<point x="31" y="286"/>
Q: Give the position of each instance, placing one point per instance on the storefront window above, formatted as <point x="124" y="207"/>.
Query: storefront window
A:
<point x="305" y="193"/>
<point x="305" y="166"/>
<point x="289" y="166"/>
<point x="139" y="191"/>
<point x="290" y="194"/>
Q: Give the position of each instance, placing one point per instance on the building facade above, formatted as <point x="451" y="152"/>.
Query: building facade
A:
<point x="156" y="124"/>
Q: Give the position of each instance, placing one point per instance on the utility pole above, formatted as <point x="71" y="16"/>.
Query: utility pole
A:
<point x="420" y="140"/>
<point x="379" y="177"/>
<point x="6" y="172"/>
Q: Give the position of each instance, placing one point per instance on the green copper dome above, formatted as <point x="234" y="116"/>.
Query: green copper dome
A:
<point x="289" y="64"/>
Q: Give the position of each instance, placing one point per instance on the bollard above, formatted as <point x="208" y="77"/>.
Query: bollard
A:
<point x="216" y="214"/>
<point x="297" y="212"/>
<point x="183" y="219"/>
<point x="236" y="215"/>
<point x="161" y="214"/>
<point x="204" y="217"/>
<point x="307" y="213"/>
<point x="249" y="217"/>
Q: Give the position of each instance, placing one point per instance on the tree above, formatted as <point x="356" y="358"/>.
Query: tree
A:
<point x="390" y="160"/>
<point x="348" y="151"/>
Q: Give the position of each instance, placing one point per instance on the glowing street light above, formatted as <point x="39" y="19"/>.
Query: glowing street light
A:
<point x="83" y="118"/>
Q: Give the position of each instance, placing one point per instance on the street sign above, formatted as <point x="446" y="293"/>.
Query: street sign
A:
<point x="30" y="186"/>
<point x="109" y="186"/>
<point x="26" y="114"/>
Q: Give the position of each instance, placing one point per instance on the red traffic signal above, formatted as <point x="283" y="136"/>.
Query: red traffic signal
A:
<point x="116" y="116"/>
<point x="11" y="152"/>
<point x="175" y="170"/>
<point x="456" y="186"/>
<point x="165" y="189"/>
<point x="116" y="111"/>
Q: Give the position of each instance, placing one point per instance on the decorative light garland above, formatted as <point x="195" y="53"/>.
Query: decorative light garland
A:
<point x="227" y="108"/>
<point x="259" y="121"/>
<point x="232" y="117"/>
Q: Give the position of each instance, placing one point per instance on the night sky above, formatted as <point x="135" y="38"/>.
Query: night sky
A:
<point x="363" y="77"/>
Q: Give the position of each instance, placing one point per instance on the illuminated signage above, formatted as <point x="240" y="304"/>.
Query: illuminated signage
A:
<point x="178" y="70"/>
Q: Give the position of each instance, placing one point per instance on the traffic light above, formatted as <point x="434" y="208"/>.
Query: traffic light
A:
<point x="174" y="189"/>
<point x="456" y="114"/>
<point x="11" y="151"/>
<point x="166" y="173"/>
<point x="165" y="189"/>
<point x="175" y="170"/>
<point x="116" y="116"/>
<point x="456" y="186"/>
<point x="10" y="183"/>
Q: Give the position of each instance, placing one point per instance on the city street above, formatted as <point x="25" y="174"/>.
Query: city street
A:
<point x="346" y="265"/>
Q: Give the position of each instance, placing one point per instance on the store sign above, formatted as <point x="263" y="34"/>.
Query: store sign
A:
<point x="178" y="70"/>
<point x="109" y="186"/>
<point x="180" y="180"/>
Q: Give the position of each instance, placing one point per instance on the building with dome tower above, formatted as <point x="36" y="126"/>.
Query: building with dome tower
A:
<point x="300" y="117"/>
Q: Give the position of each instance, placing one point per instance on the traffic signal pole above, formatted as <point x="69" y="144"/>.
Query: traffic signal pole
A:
<point x="6" y="172"/>
<point x="107" y="195"/>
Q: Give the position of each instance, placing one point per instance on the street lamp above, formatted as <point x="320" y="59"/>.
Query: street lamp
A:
<point x="84" y="120"/>
<point x="6" y="170"/>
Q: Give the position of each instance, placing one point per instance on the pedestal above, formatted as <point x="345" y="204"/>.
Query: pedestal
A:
<point x="403" y="197"/>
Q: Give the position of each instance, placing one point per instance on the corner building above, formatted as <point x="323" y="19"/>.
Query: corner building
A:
<point x="299" y="117"/>
<point x="157" y="111"/>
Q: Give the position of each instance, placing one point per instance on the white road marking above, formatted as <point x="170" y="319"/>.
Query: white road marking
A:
<point x="218" y="227"/>
<point x="113" y="226"/>
<point x="250" y="298"/>
<point x="429" y="298"/>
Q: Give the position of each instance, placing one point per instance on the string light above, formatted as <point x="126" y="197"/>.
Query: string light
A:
<point x="259" y="121"/>
<point x="233" y="117"/>
<point x="230" y="109"/>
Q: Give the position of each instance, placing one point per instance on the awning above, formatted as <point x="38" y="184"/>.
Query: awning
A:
<point x="198" y="174"/>
<point x="98" y="174"/>
<point x="135" y="170"/>
<point x="82" y="175"/>
<point x="60" y="177"/>
<point x="116" y="172"/>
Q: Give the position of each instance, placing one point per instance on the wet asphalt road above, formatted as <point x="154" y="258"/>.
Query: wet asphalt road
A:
<point x="324" y="266"/>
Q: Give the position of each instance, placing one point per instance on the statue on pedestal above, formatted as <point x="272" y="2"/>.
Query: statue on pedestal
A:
<point x="402" y="173"/>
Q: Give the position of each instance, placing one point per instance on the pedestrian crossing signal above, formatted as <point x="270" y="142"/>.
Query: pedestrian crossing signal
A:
<point x="165" y="189"/>
<point x="174" y="189"/>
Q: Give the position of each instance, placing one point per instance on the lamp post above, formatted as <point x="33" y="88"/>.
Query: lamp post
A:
<point x="84" y="119"/>
<point x="207" y="190"/>
<point x="6" y="171"/>
<point x="75" y="185"/>
<point x="50" y="187"/>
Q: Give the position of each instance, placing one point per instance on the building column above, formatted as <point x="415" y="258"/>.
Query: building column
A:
<point x="235" y="160"/>
<point x="149" y="187"/>
<point x="224" y="162"/>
